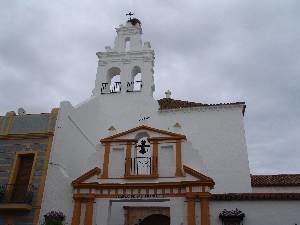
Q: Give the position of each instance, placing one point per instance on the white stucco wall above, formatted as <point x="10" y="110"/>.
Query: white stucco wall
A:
<point x="259" y="212"/>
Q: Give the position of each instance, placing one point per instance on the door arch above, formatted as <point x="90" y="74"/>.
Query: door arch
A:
<point x="156" y="219"/>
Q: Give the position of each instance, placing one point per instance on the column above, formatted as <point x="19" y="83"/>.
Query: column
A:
<point x="76" y="211"/>
<point x="204" y="201"/>
<point x="155" y="158"/>
<point x="178" y="159"/>
<point x="106" y="160"/>
<point x="128" y="159"/>
<point x="89" y="209"/>
<point x="190" y="197"/>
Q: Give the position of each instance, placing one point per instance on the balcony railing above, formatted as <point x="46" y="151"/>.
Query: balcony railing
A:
<point x="134" y="86"/>
<point x="16" y="193"/>
<point x="113" y="88"/>
<point x="141" y="166"/>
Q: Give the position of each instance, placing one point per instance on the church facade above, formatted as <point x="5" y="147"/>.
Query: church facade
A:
<point x="123" y="158"/>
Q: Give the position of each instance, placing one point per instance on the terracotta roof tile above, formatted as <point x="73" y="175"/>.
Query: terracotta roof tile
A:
<point x="169" y="103"/>
<point x="275" y="180"/>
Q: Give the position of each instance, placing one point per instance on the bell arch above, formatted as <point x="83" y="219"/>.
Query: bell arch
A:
<point x="113" y="79"/>
<point x="127" y="44"/>
<point x="135" y="83"/>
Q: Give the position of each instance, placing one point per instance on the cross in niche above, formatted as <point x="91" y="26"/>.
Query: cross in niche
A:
<point x="130" y="14"/>
<point x="143" y="147"/>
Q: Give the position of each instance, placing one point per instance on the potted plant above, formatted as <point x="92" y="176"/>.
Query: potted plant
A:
<point x="54" y="218"/>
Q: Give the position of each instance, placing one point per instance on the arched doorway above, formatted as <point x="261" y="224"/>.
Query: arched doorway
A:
<point x="156" y="219"/>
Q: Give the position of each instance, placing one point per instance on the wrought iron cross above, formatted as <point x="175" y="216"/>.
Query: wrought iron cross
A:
<point x="130" y="14"/>
<point x="143" y="147"/>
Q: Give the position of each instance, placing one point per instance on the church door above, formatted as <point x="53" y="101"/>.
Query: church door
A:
<point x="156" y="219"/>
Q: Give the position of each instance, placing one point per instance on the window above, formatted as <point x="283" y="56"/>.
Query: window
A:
<point x="19" y="189"/>
<point x="143" y="157"/>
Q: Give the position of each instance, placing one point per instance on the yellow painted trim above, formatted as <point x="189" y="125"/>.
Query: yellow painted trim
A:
<point x="128" y="158"/>
<point x="191" y="220"/>
<point x="15" y="206"/>
<point x="21" y="136"/>
<point x="178" y="172"/>
<point x="10" y="116"/>
<point x="14" y="144"/>
<point x="16" y="164"/>
<point x="106" y="160"/>
<point x="76" y="212"/>
<point x="204" y="208"/>
<point x="89" y="208"/>
<point x="1" y="121"/>
<point x="155" y="159"/>
<point x="42" y="182"/>
<point x="53" y="115"/>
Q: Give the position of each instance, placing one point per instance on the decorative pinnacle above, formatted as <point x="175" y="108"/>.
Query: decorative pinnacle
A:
<point x="129" y="14"/>
<point x="168" y="94"/>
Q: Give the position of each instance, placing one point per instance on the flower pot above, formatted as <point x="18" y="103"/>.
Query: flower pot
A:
<point x="51" y="221"/>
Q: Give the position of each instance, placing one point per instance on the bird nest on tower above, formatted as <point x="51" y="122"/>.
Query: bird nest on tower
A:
<point x="134" y="21"/>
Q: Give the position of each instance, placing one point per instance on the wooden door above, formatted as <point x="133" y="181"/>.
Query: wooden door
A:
<point x="156" y="219"/>
<point x="22" y="179"/>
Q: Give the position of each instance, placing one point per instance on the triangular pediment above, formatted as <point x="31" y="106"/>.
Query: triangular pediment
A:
<point x="92" y="178"/>
<point x="199" y="176"/>
<point x="154" y="134"/>
<point x="86" y="177"/>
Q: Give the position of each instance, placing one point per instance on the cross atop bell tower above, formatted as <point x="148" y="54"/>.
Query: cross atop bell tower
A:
<point x="127" y="68"/>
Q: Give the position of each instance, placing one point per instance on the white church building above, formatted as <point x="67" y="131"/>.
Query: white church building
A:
<point x="124" y="158"/>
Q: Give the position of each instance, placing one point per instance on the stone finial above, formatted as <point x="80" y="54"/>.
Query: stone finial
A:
<point x="147" y="44"/>
<point x="177" y="125"/>
<point x="168" y="94"/>
<point x="112" y="130"/>
<point x="108" y="48"/>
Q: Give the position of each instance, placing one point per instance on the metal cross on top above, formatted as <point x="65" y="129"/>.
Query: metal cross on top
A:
<point x="129" y="14"/>
<point x="143" y="147"/>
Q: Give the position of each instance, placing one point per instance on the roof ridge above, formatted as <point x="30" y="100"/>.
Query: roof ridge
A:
<point x="170" y="103"/>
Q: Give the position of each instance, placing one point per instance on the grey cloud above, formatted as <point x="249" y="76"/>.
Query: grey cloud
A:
<point x="220" y="51"/>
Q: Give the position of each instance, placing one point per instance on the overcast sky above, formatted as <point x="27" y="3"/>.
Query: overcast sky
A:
<point x="218" y="51"/>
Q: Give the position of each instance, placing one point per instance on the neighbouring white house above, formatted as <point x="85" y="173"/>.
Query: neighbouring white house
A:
<point x="124" y="158"/>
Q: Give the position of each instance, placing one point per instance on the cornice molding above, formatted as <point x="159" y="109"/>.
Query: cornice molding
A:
<point x="96" y="171"/>
<point x="199" y="175"/>
<point x="142" y="127"/>
<point x="95" y="185"/>
<point x="204" y="108"/>
<point x="20" y="136"/>
<point x="255" y="196"/>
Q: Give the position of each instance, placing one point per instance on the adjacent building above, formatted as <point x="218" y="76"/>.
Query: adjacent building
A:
<point x="25" y="146"/>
